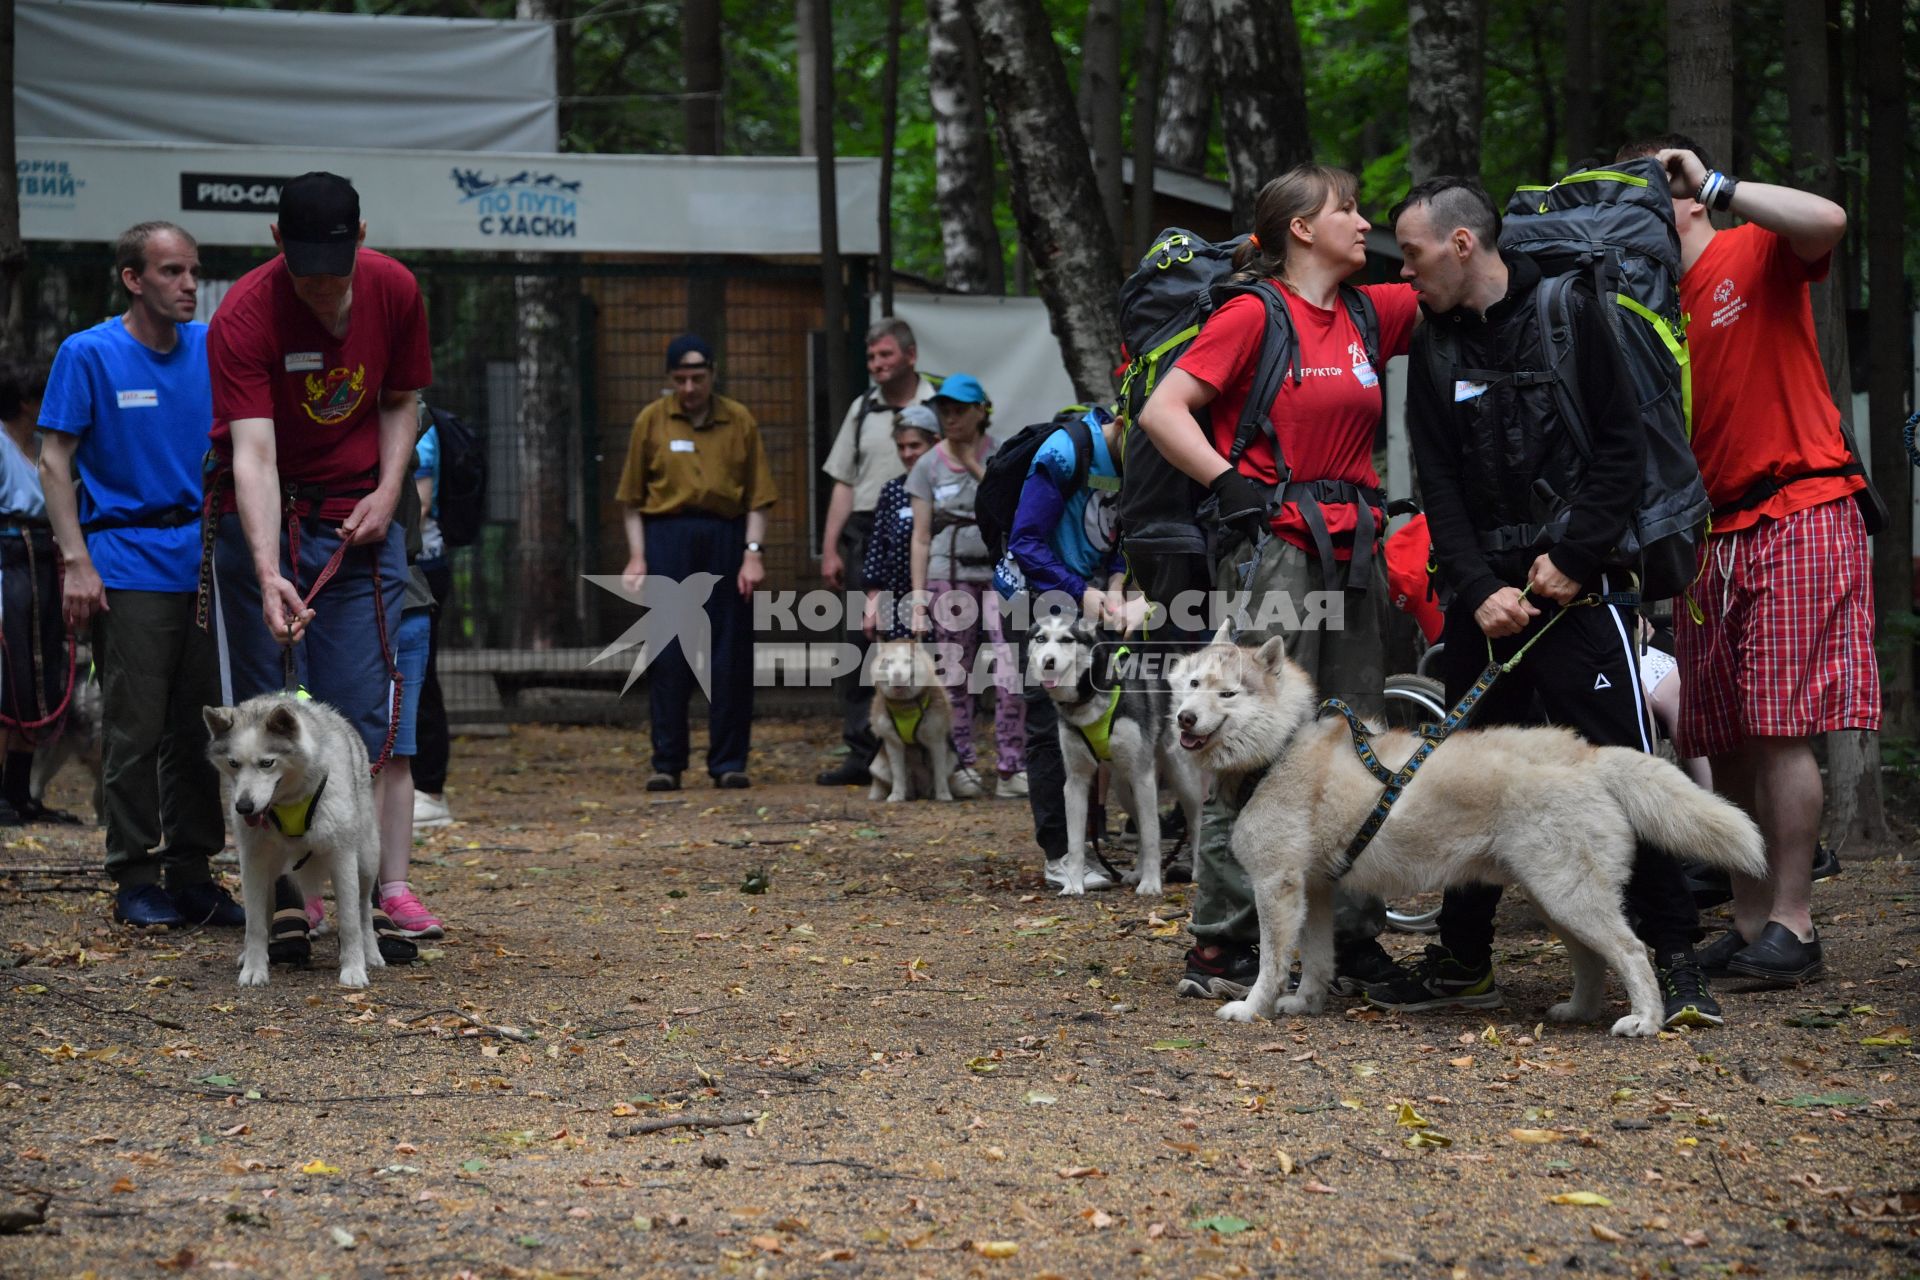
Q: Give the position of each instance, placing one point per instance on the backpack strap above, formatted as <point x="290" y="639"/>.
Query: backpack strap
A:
<point x="1271" y="368"/>
<point x="1553" y="307"/>
<point x="1367" y="320"/>
<point x="1082" y="437"/>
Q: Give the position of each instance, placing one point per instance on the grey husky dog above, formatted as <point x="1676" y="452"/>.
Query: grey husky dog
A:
<point x="296" y="782"/>
<point x="1107" y="718"/>
<point x="1534" y="807"/>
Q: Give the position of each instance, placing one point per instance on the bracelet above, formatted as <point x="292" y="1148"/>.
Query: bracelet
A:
<point x="1717" y="191"/>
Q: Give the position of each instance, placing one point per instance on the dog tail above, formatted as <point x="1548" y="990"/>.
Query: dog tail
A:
<point x="1667" y="810"/>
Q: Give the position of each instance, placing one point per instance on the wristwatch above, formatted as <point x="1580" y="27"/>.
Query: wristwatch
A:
<point x="756" y="546"/>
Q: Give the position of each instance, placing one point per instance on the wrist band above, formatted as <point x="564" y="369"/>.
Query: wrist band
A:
<point x="1716" y="192"/>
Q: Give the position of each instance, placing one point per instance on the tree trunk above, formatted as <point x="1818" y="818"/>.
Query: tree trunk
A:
<point x="1055" y="201"/>
<point x="1810" y="130"/>
<point x="1700" y="74"/>
<point x="806" y="72"/>
<point x="1446" y="44"/>
<point x="1186" y="101"/>
<point x="1263" y="102"/>
<point x="702" y="78"/>
<point x="1100" y="102"/>
<point x="1146" y="109"/>
<point x="13" y="250"/>
<point x="1580" y="87"/>
<point x="962" y="154"/>
<point x="833" y="288"/>
<point x="889" y="130"/>
<point x="1888" y="356"/>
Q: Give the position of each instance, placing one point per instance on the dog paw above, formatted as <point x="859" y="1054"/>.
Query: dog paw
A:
<point x="1568" y="1011"/>
<point x="1636" y="1025"/>
<point x="353" y="975"/>
<point x="253" y="975"/>
<point x="1073" y="889"/>
<point x="1297" y="1003"/>
<point x="899" y="797"/>
<point x="1148" y="889"/>
<point x="1236" y="1011"/>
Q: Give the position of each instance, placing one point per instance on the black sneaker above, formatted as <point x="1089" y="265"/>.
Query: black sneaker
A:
<point x="395" y="946"/>
<point x="146" y="905"/>
<point x="1227" y="974"/>
<point x="662" y="780"/>
<point x="287" y="940"/>
<point x="1362" y="965"/>
<point x="848" y="773"/>
<point x="1684" y="986"/>
<point x="1437" y="981"/>
<point x="733" y="780"/>
<point x="206" y="902"/>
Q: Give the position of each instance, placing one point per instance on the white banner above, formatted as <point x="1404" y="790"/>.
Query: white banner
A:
<point x="1007" y="343"/>
<point x="761" y="205"/>
<point x="193" y="73"/>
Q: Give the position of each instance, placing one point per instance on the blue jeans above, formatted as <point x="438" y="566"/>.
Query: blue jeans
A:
<point x="339" y="660"/>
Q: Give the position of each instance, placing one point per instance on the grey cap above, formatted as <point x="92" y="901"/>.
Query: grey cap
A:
<point x="920" y="417"/>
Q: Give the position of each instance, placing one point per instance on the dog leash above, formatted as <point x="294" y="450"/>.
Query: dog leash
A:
<point x="289" y="677"/>
<point x="1394" y="782"/>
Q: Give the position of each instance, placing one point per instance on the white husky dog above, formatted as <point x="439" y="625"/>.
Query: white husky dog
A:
<point x="296" y="781"/>
<point x="1125" y="722"/>
<point x="1535" y="807"/>
<point x="912" y="717"/>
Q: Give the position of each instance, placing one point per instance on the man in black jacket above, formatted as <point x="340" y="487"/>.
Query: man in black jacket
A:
<point x="1524" y="526"/>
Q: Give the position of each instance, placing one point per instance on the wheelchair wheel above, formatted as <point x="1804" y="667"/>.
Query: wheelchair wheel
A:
<point x="1414" y="700"/>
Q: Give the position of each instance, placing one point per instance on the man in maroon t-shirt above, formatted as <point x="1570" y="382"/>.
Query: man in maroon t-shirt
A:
<point x="315" y="358"/>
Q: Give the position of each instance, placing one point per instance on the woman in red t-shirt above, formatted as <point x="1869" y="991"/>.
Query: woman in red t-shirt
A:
<point x="1308" y="237"/>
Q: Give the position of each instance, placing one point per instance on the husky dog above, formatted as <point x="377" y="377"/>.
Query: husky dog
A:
<point x="295" y="776"/>
<point x="1125" y="721"/>
<point x="1535" y="807"/>
<point x="80" y="736"/>
<point x="913" y="719"/>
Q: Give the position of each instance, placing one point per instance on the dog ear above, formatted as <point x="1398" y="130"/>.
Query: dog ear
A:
<point x="1272" y="655"/>
<point x="282" y="723"/>
<point x="1086" y="630"/>
<point x="219" y="720"/>
<point x="1225" y="634"/>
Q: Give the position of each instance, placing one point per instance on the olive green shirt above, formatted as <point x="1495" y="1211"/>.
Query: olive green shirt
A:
<point x="674" y="467"/>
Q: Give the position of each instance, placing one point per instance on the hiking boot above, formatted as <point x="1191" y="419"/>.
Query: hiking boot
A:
<point x="1223" y="972"/>
<point x="1713" y="957"/>
<point x="1689" y="1003"/>
<point x="207" y="902"/>
<point x="1437" y="981"/>
<point x="965" y="783"/>
<point x="146" y="905"/>
<point x="1778" y="956"/>
<point x="848" y="773"/>
<point x="1362" y="965"/>
<point x="1096" y="878"/>
<point x="430" y="811"/>
<point x="410" y="915"/>
<point x="287" y="937"/>
<point x="663" y="781"/>
<point x="1012" y="786"/>
<point x="1178" y="869"/>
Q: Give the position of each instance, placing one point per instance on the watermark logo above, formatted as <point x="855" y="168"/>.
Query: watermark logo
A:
<point x="676" y="609"/>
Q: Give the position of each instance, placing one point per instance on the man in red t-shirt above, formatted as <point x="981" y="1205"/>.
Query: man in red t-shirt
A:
<point x="1784" y="647"/>
<point x="315" y="357"/>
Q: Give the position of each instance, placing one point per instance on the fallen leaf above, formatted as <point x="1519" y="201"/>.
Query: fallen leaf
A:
<point x="1462" y="1063"/>
<point x="1593" y="1198"/>
<point x="1694" y="1239"/>
<point x="1427" y="1138"/>
<point x="318" y="1166"/>
<point x="1892" y="1037"/>
<point x="1319" y="1188"/>
<point x="1536" y="1135"/>
<point x="1823" y="1100"/>
<point x="995" y="1248"/>
<point x="1286" y="1164"/>
<point x="1601" y="1231"/>
<point x="1080" y="1171"/>
<point x="1222" y="1224"/>
<point x="341" y="1237"/>
<point x="1161" y="1046"/>
<point x="1409" y="1118"/>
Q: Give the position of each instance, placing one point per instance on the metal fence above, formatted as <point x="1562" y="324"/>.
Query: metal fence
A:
<point x="549" y="360"/>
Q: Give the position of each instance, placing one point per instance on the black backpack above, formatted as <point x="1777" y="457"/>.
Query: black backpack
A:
<point x="997" y="498"/>
<point x="1180" y="282"/>
<point x="1613" y="228"/>
<point x="462" y="493"/>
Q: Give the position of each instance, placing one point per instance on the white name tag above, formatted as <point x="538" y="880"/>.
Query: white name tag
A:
<point x="1464" y="390"/>
<point x="680" y="446"/>
<point x="139" y="399"/>
<point x="906" y="513"/>
<point x="305" y="361"/>
<point x="1364" y="372"/>
<point x="946" y="492"/>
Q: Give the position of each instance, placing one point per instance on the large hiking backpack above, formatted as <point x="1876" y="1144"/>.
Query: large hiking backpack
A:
<point x="1180" y="282"/>
<point x="1614" y="228"/>
<point x="462" y="492"/>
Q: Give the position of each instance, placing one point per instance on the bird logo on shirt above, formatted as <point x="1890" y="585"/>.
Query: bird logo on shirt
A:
<point x="334" y="396"/>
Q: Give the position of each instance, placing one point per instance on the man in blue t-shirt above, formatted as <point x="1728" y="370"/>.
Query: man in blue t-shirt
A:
<point x="130" y="402"/>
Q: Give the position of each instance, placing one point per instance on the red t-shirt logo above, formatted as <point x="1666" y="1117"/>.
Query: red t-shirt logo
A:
<point x="335" y="397"/>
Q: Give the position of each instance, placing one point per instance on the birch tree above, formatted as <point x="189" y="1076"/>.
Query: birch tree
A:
<point x="1055" y="202"/>
<point x="1263" y="100"/>
<point x="1186" y="99"/>
<point x="1446" y="41"/>
<point x="962" y="154"/>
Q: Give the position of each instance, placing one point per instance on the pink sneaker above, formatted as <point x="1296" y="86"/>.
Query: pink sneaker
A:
<point x="410" y="915"/>
<point x="317" y="917"/>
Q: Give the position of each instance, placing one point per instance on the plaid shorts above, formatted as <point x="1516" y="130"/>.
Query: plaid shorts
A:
<point x="1786" y="645"/>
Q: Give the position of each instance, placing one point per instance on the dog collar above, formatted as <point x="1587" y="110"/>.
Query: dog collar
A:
<point x="292" y="820"/>
<point x="906" y="718"/>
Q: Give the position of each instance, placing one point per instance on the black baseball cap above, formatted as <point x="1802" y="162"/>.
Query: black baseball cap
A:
<point x="319" y="224"/>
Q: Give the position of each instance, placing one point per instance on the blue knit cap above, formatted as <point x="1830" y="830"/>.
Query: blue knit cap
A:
<point x="685" y="345"/>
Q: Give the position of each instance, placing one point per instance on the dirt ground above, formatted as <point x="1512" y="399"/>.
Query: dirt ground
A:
<point x="904" y="1057"/>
